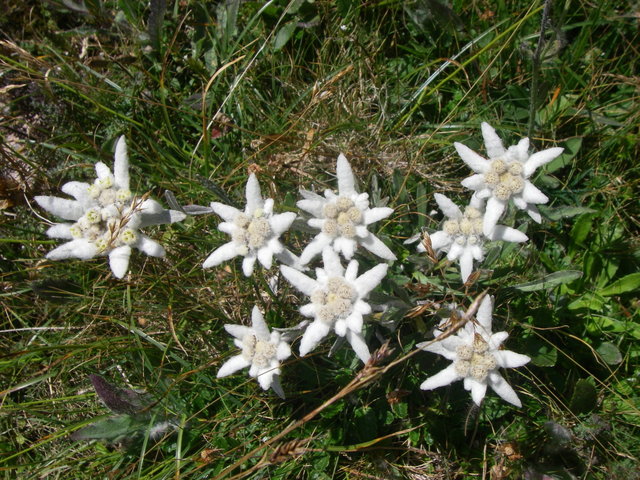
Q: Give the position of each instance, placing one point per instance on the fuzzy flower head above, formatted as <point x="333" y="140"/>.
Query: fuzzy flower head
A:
<point x="337" y="301"/>
<point x="462" y="236"/>
<point x="255" y="232"/>
<point x="504" y="176"/>
<point x="262" y="352"/>
<point x="343" y="218"/>
<point x="476" y="357"/>
<point x="106" y="217"/>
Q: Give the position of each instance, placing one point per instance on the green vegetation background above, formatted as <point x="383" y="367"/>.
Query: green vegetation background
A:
<point x="206" y="92"/>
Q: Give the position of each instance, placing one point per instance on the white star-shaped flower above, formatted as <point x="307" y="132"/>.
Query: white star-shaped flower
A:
<point x="476" y="356"/>
<point x="107" y="217"/>
<point x="255" y="233"/>
<point x="337" y="301"/>
<point x="505" y="175"/>
<point x="262" y="352"/>
<point x="462" y="236"/>
<point x="343" y="218"/>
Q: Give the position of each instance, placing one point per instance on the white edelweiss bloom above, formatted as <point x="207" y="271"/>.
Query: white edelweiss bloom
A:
<point x="106" y="217"/>
<point x="337" y="301"/>
<point x="505" y="175"/>
<point x="262" y="352"/>
<point x="476" y="357"/>
<point x="255" y="233"/>
<point x="462" y="236"/>
<point x="343" y="218"/>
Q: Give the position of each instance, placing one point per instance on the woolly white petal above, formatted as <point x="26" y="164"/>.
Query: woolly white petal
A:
<point x="484" y="315"/>
<point x="370" y="279"/>
<point x="227" y="212"/>
<point x="313" y="335"/>
<point x="503" y="389"/>
<point x="440" y="379"/>
<point x="347" y="246"/>
<point x="359" y="345"/>
<point x="531" y="194"/>
<point x="60" y="230"/>
<point x="150" y="206"/>
<point x="440" y="349"/>
<point x="121" y="165"/>
<point x="346" y="182"/>
<point x="478" y="390"/>
<point x="373" y="215"/>
<point x="276" y="387"/>
<point x="507" y="234"/>
<point x="238" y="331"/>
<point x="308" y="310"/>
<point x="80" y="248"/>
<point x="265" y="257"/>
<point x="150" y="247"/>
<point x="455" y="251"/>
<point x="102" y="171"/>
<point x="119" y="260"/>
<point x="354" y="322"/>
<point x="534" y="213"/>
<point x="492" y="141"/>
<point x="476" y="162"/>
<point x="280" y="223"/>
<point x="253" y="195"/>
<point x="259" y="325"/>
<point x="314" y="248"/>
<point x="446" y="206"/>
<point x="494" y="211"/>
<point x="284" y="351"/>
<point x="61" y="207"/>
<point x="440" y="240"/>
<point x="232" y="365"/>
<point x="248" y="263"/>
<point x="340" y="327"/>
<point x="540" y="158"/>
<point x="474" y="182"/>
<point x="221" y="254"/>
<point x="362" y="307"/>
<point x="313" y="206"/>
<point x="494" y="339"/>
<point x="377" y="247"/>
<point x="78" y="190"/>
<point x="509" y="359"/>
<point x="299" y="280"/>
<point x="265" y="378"/>
<point x="466" y="264"/>
<point x="331" y="263"/>
<point x="519" y="202"/>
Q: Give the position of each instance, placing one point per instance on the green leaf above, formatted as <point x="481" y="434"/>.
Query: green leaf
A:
<point x="585" y="396"/>
<point x="581" y="228"/>
<point x="549" y="281"/>
<point x="609" y="353"/>
<point x="567" y="211"/>
<point x="284" y="34"/>
<point x="626" y="284"/>
<point x="109" y="429"/>
<point x="546" y="357"/>
<point x="590" y="301"/>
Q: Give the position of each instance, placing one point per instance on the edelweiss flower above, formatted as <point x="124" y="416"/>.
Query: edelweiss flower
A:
<point x="262" y="351"/>
<point x="343" y="219"/>
<point x="107" y="217"/>
<point x="476" y="356"/>
<point x="505" y="175"/>
<point x="254" y="233"/>
<point x="462" y="236"/>
<point x="337" y="301"/>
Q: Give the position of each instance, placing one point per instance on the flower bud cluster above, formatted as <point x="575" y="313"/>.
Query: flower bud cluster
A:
<point x="258" y="352"/>
<point x="341" y="218"/>
<point x="252" y="232"/>
<point x="335" y="302"/>
<point x="475" y="360"/>
<point x="505" y="178"/>
<point x="465" y="231"/>
<point x="108" y="223"/>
